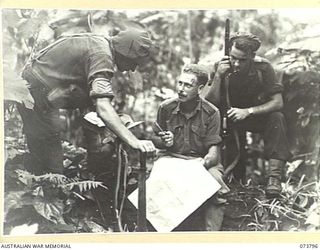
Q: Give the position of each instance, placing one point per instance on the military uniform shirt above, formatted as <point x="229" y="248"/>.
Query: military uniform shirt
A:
<point x="255" y="88"/>
<point x="194" y="133"/>
<point x="75" y="61"/>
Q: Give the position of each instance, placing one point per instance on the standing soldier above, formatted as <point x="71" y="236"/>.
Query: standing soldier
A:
<point x="76" y="72"/>
<point x="256" y="102"/>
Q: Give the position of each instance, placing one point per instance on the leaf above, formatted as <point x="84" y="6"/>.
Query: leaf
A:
<point x="10" y="18"/>
<point x="78" y="195"/>
<point x="88" y="195"/>
<point x="57" y="179"/>
<point x="314" y="218"/>
<point x="302" y="201"/>
<point x="51" y="211"/>
<point x="300" y="110"/>
<point x="260" y="212"/>
<point x="38" y="192"/>
<point x="305" y="121"/>
<point x="314" y="215"/>
<point x="12" y="200"/>
<point x="15" y="88"/>
<point x="67" y="163"/>
<point x="28" y="27"/>
<point x="292" y="166"/>
<point x="11" y="153"/>
<point x="85" y="185"/>
<point x="25" y="177"/>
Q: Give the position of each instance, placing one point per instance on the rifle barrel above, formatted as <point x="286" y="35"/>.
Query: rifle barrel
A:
<point x="142" y="210"/>
<point x="225" y="99"/>
<point x="226" y="37"/>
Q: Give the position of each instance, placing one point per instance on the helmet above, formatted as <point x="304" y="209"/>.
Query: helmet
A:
<point x="133" y="43"/>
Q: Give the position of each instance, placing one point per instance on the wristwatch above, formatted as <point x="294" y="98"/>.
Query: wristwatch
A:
<point x="250" y="111"/>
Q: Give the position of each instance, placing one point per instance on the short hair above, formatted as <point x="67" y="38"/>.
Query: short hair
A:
<point x="246" y="42"/>
<point x="199" y="71"/>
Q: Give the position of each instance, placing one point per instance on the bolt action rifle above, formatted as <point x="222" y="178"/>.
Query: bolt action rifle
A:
<point x="225" y="106"/>
<point x="142" y="210"/>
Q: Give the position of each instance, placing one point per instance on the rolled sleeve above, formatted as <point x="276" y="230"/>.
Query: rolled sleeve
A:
<point x="101" y="87"/>
<point x="271" y="85"/>
<point x="99" y="63"/>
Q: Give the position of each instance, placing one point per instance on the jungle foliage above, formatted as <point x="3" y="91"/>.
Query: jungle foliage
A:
<point x="56" y="203"/>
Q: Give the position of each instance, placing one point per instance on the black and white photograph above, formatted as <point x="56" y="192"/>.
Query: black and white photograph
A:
<point x="162" y="121"/>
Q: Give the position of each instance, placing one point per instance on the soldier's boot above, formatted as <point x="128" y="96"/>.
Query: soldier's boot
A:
<point x="273" y="188"/>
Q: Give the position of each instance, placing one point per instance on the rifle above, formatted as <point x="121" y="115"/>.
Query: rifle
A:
<point x="123" y="170"/>
<point x="142" y="211"/>
<point x="225" y="106"/>
<point x="225" y="102"/>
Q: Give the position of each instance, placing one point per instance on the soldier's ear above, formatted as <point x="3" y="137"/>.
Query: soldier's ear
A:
<point x="200" y="88"/>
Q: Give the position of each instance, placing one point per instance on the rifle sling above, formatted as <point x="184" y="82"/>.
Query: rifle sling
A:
<point x="235" y="133"/>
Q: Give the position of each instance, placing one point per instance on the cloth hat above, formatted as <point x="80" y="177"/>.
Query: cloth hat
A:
<point x="251" y="41"/>
<point x="133" y="43"/>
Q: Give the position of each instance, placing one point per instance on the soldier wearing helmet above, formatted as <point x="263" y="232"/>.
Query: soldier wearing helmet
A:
<point x="256" y="103"/>
<point x="76" y="72"/>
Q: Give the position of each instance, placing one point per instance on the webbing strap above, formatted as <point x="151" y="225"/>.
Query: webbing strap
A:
<point x="235" y="133"/>
<point x="117" y="189"/>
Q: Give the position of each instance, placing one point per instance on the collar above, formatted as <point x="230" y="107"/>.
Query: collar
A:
<point x="252" y="69"/>
<point x="177" y="109"/>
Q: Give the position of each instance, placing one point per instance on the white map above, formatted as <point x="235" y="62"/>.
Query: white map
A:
<point x="175" y="188"/>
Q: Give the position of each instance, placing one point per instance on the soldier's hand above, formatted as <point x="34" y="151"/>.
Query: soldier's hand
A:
<point x="236" y="114"/>
<point x="146" y="146"/>
<point x="224" y="66"/>
<point x="205" y="162"/>
<point x="167" y="138"/>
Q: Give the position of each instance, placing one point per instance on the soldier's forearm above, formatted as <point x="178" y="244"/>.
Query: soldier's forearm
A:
<point x="113" y="122"/>
<point x="275" y="104"/>
<point x="212" y="157"/>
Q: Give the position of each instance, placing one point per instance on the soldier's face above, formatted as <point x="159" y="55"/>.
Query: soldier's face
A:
<point x="187" y="87"/>
<point x="131" y="64"/>
<point x="240" y="60"/>
<point x="127" y="65"/>
<point x="124" y="63"/>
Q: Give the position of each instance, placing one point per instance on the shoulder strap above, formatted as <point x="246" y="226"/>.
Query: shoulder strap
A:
<point x="260" y="75"/>
<point x="38" y="54"/>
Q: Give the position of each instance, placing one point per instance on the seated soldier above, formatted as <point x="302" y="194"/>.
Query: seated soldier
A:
<point x="189" y="127"/>
<point x="256" y="103"/>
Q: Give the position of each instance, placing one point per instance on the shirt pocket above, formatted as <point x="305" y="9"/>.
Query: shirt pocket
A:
<point x="198" y="137"/>
<point x="198" y="130"/>
<point x="176" y="127"/>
